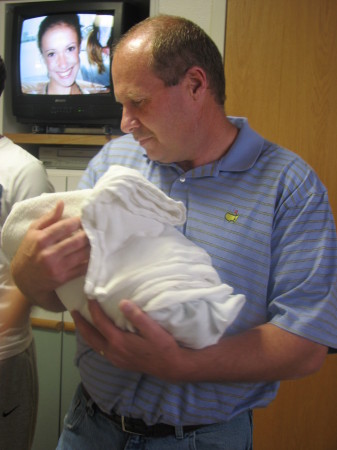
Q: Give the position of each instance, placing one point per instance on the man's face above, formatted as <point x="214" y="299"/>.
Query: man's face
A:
<point x="159" y="117"/>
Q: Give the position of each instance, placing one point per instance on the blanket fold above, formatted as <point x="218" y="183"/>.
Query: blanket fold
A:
<point x="137" y="253"/>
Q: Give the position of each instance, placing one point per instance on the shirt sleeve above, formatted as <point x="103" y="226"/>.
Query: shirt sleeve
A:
<point x="303" y="298"/>
<point x="31" y="181"/>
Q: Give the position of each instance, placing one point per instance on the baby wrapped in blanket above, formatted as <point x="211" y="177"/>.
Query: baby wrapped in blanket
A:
<point x="138" y="254"/>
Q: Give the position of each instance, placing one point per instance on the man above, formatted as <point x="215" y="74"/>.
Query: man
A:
<point x="21" y="176"/>
<point x="260" y="212"/>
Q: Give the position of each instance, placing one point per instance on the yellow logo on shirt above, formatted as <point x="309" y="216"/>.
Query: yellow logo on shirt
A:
<point x="232" y="217"/>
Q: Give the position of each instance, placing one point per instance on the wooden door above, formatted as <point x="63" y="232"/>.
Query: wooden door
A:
<point x="281" y="71"/>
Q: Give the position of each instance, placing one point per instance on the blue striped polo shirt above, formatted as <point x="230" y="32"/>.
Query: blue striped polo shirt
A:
<point x="263" y="216"/>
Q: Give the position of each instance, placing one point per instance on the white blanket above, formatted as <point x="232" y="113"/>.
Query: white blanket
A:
<point x="137" y="253"/>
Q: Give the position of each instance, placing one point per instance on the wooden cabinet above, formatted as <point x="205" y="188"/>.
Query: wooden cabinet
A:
<point x="281" y="65"/>
<point x="64" y="180"/>
<point x="49" y="362"/>
<point x="59" y="139"/>
<point x="58" y="378"/>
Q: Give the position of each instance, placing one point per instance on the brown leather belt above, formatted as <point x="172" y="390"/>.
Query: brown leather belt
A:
<point x="138" y="426"/>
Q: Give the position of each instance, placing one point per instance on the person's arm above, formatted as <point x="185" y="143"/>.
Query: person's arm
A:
<point x="53" y="251"/>
<point x="15" y="309"/>
<point x="264" y="353"/>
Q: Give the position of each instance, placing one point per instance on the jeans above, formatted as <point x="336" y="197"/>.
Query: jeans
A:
<point x="86" y="428"/>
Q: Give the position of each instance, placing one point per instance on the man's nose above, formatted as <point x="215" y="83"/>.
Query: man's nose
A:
<point x="128" y="123"/>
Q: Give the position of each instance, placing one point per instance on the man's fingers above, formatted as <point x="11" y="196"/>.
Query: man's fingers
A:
<point x="59" y="231"/>
<point x="145" y="326"/>
<point x="100" y="319"/>
<point x="71" y="243"/>
<point x="49" y="218"/>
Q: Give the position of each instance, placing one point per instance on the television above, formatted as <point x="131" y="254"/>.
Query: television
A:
<point x="61" y="62"/>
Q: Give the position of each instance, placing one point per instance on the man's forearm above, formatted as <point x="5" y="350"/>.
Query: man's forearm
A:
<point x="265" y="353"/>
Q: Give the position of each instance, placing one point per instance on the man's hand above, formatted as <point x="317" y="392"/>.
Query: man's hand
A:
<point x="263" y="353"/>
<point x="53" y="252"/>
<point x="151" y="350"/>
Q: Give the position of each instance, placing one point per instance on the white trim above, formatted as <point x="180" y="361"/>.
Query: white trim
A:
<point x="214" y="10"/>
<point x="154" y="8"/>
<point x="218" y="23"/>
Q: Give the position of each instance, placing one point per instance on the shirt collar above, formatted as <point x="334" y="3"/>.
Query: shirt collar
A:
<point x="241" y="156"/>
<point x="244" y="151"/>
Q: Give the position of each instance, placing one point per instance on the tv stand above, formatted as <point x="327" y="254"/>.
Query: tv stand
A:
<point x="105" y="130"/>
<point x="60" y="139"/>
<point x="61" y="129"/>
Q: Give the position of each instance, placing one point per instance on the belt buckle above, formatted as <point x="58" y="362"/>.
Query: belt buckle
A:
<point x="128" y="431"/>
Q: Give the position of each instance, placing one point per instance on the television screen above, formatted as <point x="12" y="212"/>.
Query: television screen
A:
<point x="61" y="61"/>
<point x="66" y="54"/>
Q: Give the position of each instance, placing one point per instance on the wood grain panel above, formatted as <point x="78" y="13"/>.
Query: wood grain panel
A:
<point x="281" y="71"/>
<point x="303" y="415"/>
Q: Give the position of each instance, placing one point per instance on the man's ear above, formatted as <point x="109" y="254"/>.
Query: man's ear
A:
<point x="197" y="81"/>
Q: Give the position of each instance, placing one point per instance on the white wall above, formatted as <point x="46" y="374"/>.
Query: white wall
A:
<point x="208" y="14"/>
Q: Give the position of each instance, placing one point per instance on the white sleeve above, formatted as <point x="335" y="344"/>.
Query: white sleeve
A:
<point x="31" y="181"/>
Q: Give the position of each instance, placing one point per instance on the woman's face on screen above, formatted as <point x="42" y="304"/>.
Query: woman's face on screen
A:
<point x="60" y="51"/>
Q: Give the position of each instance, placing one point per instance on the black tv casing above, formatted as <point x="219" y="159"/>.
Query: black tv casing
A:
<point x="62" y="111"/>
